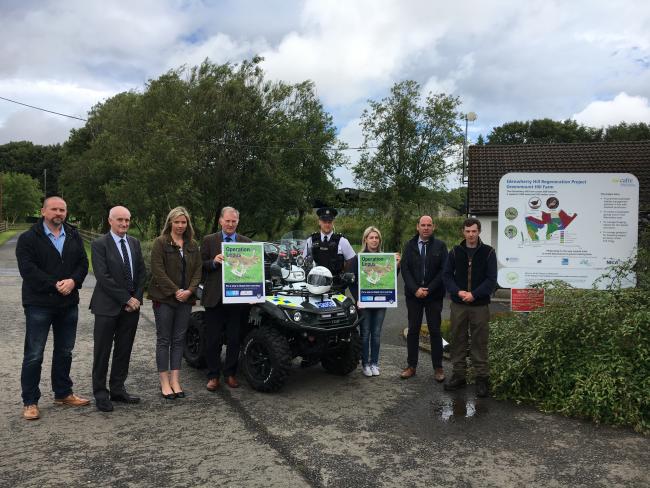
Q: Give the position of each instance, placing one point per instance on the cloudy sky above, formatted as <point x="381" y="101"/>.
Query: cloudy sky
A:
<point x="506" y="59"/>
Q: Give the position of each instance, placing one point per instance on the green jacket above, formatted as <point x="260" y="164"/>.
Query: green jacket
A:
<point x="167" y="268"/>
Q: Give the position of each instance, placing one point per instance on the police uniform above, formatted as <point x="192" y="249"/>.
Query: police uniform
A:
<point x="330" y="250"/>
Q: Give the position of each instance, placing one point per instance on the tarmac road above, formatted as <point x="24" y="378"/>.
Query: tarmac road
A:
<point x="320" y="430"/>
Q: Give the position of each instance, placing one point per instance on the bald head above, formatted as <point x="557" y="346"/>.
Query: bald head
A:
<point x="425" y="227"/>
<point x="119" y="218"/>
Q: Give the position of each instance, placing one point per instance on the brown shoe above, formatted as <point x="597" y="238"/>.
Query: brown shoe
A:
<point x="407" y="373"/>
<point x="232" y="382"/>
<point x="72" y="400"/>
<point x="213" y="384"/>
<point x="30" y="412"/>
<point x="439" y="375"/>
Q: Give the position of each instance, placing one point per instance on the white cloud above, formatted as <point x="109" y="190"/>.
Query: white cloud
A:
<point x="36" y="127"/>
<point x="21" y="123"/>
<point x="623" y="108"/>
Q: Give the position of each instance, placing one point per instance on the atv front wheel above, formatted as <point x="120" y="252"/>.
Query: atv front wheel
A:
<point x="345" y="359"/>
<point x="266" y="359"/>
<point x="194" y="347"/>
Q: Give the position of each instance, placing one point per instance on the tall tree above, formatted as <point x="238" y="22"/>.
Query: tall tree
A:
<point x="21" y="196"/>
<point x="204" y="137"/>
<point x="410" y="144"/>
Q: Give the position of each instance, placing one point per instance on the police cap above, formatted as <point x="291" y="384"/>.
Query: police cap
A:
<point x="326" y="213"/>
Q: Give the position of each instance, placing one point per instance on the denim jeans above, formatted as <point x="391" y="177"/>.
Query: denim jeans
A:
<point x="64" y="329"/>
<point x="371" y="322"/>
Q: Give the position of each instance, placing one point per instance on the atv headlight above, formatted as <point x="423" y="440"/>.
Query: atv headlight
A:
<point x="296" y="316"/>
<point x="352" y="310"/>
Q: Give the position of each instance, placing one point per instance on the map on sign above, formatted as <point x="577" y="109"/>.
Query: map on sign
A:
<point x="549" y="223"/>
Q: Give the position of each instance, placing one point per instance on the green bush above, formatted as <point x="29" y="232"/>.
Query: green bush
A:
<point x="585" y="354"/>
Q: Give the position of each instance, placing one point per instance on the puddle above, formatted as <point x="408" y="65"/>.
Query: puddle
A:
<point x="457" y="408"/>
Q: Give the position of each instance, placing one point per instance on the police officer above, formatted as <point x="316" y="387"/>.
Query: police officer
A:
<point x="328" y="248"/>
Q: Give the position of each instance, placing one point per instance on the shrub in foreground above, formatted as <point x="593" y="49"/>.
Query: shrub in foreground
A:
<point x="586" y="354"/>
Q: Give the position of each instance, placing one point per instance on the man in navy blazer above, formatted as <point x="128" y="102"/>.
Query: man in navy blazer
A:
<point x="119" y="269"/>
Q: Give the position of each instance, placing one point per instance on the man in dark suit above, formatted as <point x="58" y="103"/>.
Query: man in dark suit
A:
<point x="217" y="315"/>
<point x="422" y="263"/>
<point x="120" y="273"/>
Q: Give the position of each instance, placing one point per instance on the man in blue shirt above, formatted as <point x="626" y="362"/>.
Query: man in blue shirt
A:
<point x="53" y="264"/>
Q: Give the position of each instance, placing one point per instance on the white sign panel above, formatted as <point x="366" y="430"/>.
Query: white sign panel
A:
<point x="565" y="226"/>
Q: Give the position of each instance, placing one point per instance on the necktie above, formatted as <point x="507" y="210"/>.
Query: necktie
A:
<point x="325" y="240"/>
<point x="127" y="267"/>
<point x="423" y="255"/>
<point x="228" y="239"/>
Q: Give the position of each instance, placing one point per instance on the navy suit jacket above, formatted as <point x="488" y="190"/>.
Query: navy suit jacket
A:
<point x="111" y="292"/>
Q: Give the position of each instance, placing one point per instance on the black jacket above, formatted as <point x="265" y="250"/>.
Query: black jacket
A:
<point x="413" y="269"/>
<point x="41" y="266"/>
<point x="478" y="275"/>
<point x="111" y="292"/>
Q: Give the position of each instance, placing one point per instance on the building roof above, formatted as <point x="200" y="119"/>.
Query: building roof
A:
<point x="488" y="163"/>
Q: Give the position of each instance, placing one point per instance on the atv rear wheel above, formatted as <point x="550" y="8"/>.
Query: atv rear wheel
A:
<point x="345" y="359"/>
<point x="194" y="347"/>
<point x="266" y="359"/>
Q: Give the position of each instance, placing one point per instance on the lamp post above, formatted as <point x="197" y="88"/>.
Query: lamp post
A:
<point x="469" y="117"/>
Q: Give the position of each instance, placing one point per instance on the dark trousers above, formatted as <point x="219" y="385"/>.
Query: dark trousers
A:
<point x="116" y="333"/>
<point x="476" y="320"/>
<point x="228" y="318"/>
<point x="171" y="327"/>
<point x="433" y="309"/>
<point x="38" y="320"/>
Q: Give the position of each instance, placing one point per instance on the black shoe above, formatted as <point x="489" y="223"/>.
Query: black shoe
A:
<point x="124" y="397"/>
<point x="179" y="394"/>
<point x="482" y="387"/>
<point x="168" y="396"/>
<point x="103" y="404"/>
<point x="455" y="383"/>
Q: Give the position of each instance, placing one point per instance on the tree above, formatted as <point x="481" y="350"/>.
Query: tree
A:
<point x="410" y="145"/>
<point x="627" y="132"/>
<point x="543" y="131"/>
<point x="204" y="137"/>
<point x="21" y="195"/>
<point x="33" y="159"/>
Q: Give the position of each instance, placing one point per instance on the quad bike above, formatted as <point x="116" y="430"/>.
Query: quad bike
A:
<point x="303" y="316"/>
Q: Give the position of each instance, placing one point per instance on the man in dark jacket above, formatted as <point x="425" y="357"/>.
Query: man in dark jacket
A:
<point x="53" y="264"/>
<point x="470" y="276"/>
<point x="218" y="316"/>
<point x="422" y="262"/>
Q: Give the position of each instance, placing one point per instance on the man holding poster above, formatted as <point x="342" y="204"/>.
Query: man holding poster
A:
<point x="220" y="316"/>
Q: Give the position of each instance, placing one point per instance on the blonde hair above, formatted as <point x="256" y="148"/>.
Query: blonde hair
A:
<point x="173" y="214"/>
<point x="366" y="233"/>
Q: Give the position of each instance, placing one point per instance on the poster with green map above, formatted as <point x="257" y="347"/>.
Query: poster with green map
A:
<point x="243" y="272"/>
<point x="377" y="280"/>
